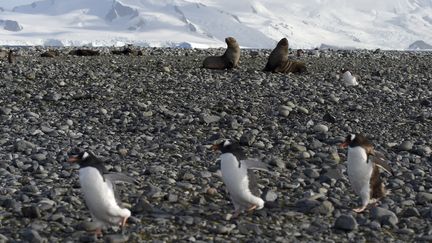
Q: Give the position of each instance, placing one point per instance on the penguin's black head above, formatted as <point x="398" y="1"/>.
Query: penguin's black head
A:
<point x="81" y="157"/>
<point x="227" y="146"/>
<point x="353" y="140"/>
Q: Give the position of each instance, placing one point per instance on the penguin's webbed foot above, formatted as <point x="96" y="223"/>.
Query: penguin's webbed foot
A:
<point x="123" y="222"/>
<point x="253" y="207"/>
<point x="359" y="210"/>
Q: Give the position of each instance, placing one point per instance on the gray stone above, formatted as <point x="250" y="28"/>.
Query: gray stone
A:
<point x="321" y="128"/>
<point x="277" y="161"/>
<point x="346" y="223"/>
<point x="248" y="138"/>
<point x="31" y="212"/>
<point x="424" y="198"/>
<point x="307" y="205"/>
<point x="311" y="173"/>
<point x="326" y="208"/>
<point x="299" y="148"/>
<point x="211" y="119"/>
<point x="384" y="216"/>
<point x="22" y="145"/>
<point x="116" y="238"/>
<point x="5" y="111"/>
<point x="39" y="157"/>
<point x="32" y="236"/>
<point x="304" y="155"/>
<point x="406" y="146"/>
<point x="270" y="196"/>
<point x="411" y="212"/>
<point x="303" y="110"/>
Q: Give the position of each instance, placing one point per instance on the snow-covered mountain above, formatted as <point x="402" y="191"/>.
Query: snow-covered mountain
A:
<point x="386" y="24"/>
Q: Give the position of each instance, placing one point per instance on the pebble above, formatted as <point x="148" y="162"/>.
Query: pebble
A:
<point x="321" y="128"/>
<point x="424" y="198"/>
<point x="384" y="216"/>
<point x="270" y="196"/>
<point x="31" y="212"/>
<point x="346" y="223"/>
<point x="22" y="145"/>
<point x="116" y="238"/>
<point x="33" y="236"/>
<point x="406" y="146"/>
<point x="211" y="119"/>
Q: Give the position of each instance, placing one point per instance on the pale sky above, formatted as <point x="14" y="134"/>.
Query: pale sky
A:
<point x="9" y="4"/>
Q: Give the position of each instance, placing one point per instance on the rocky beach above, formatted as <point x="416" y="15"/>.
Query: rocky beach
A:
<point x="154" y="117"/>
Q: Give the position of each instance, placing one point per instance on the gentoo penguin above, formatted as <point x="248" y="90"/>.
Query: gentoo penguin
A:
<point x="99" y="191"/>
<point x="238" y="177"/>
<point x="348" y="78"/>
<point x="363" y="169"/>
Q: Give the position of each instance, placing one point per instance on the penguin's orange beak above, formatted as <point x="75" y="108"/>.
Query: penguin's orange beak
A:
<point x="216" y="147"/>
<point x="343" y="145"/>
<point x="73" y="159"/>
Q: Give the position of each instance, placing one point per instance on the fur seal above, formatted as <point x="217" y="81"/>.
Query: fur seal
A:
<point x="51" y="53"/>
<point x="11" y="57"/>
<point x="84" y="52"/>
<point x="300" y="53"/>
<point x="128" y="52"/>
<point x="278" y="60"/>
<point x="228" y="60"/>
<point x="278" y="55"/>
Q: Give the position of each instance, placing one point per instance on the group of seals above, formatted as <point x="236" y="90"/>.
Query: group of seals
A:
<point x="277" y="62"/>
<point x="228" y="60"/>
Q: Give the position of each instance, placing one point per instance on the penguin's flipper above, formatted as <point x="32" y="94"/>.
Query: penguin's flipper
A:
<point x="379" y="160"/>
<point x="119" y="177"/>
<point x="254" y="164"/>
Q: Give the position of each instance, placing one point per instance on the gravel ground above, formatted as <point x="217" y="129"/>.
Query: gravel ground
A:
<point x="154" y="116"/>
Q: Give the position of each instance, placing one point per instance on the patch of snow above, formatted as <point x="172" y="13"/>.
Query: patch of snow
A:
<point x="390" y="24"/>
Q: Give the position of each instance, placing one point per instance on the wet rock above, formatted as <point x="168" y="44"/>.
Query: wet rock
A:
<point x="384" y="216"/>
<point x="346" y="223"/>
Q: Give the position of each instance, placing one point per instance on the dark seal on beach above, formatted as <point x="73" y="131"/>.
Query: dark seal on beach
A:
<point x="84" y="52"/>
<point x="228" y="60"/>
<point x="278" y="60"/>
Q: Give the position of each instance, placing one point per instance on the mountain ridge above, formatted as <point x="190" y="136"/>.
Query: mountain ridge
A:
<point x="205" y="23"/>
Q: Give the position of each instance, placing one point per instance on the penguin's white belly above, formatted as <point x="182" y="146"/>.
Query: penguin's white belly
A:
<point x="99" y="196"/>
<point x="237" y="182"/>
<point x="359" y="171"/>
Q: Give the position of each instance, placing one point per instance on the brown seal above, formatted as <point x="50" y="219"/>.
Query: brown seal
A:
<point x="11" y="57"/>
<point x="229" y="59"/>
<point x="300" y="53"/>
<point x="278" y="55"/>
<point x="278" y="60"/>
<point x="84" y="52"/>
<point x="291" y="67"/>
<point x="51" y="53"/>
<point x="127" y="51"/>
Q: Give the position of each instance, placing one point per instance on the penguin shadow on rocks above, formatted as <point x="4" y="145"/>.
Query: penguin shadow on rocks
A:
<point x="99" y="189"/>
